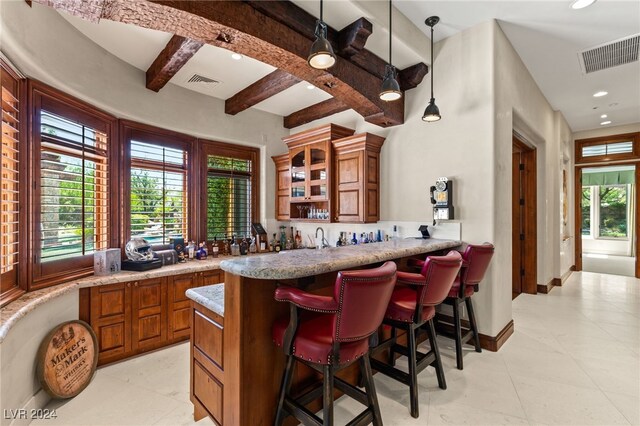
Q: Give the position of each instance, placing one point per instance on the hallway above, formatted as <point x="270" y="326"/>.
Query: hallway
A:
<point x="573" y="359"/>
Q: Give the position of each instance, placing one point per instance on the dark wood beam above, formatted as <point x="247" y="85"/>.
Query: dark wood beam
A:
<point x="353" y="37"/>
<point x="173" y="57"/>
<point x="314" y="112"/>
<point x="410" y="77"/>
<point x="262" y="89"/>
<point x="28" y="2"/>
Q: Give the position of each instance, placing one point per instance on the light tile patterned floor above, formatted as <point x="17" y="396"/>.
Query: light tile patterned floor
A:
<point x="573" y="359"/>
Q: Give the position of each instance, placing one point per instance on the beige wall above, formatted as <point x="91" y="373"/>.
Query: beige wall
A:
<point x="607" y="131"/>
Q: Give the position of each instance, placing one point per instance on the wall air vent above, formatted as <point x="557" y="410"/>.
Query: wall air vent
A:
<point x="203" y="81"/>
<point x="609" y="55"/>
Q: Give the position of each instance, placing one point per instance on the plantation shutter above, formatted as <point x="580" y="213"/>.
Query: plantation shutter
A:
<point x="159" y="192"/>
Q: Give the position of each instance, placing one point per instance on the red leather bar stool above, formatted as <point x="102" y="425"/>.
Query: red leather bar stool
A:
<point x="329" y="333"/>
<point x="412" y="306"/>
<point x="475" y="262"/>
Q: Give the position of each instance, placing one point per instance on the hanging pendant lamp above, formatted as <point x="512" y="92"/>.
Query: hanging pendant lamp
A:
<point x="390" y="90"/>
<point x="321" y="55"/>
<point x="432" y="112"/>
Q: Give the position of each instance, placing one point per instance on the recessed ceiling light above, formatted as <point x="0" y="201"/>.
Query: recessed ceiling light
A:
<point x="600" y="94"/>
<point x="310" y="86"/>
<point x="581" y="4"/>
<point x="603" y="116"/>
<point x="236" y="56"/>
<point x="604" y="123"/>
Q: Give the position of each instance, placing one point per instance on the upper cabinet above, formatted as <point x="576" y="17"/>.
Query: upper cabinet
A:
<point x="331" y="175"/>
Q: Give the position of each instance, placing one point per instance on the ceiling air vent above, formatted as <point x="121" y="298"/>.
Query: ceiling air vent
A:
<point x="202" y="80"/>
<point x="612" y="54"/>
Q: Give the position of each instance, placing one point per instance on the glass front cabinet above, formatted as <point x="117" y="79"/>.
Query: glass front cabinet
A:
<point x="313" y="193"/>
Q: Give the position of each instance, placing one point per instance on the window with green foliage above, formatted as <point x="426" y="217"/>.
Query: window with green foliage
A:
<point x="74" y="195"/>
<point x="586" y="210"/>
<point x="613" y="211"/>
<point x="159" y="192"/>
<point x="229" y="206"/>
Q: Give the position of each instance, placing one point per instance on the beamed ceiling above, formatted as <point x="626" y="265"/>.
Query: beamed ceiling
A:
<point x="275" y="33"/>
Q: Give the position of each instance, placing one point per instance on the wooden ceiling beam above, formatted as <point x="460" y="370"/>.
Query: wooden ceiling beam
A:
<point x="171" y="59"/>
<point x="267" y="86"/>
<point x="314" y="112"/>
<point x="353" y="37"/>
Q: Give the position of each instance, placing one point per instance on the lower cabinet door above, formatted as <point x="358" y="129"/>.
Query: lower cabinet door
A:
<point x="180" y="305"/>
<point x="110" y="319"/>
<point x="149" y="313"/>
<point x="208" y="390"/>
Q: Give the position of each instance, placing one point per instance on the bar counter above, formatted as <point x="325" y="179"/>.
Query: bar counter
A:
<point x="252" y="364"/>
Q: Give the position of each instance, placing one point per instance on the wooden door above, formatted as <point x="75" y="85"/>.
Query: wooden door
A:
<point x="349" y="187"/>
<point x="524" y="217"/>
<point x="149" y="313"/>
<point x="180" y="304"/>
<point x="283" y="185"/>
<point x="110" y="318"/>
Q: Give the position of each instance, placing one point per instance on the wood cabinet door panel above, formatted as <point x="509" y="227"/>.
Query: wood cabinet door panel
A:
<point x="348" y="204"/>
<point x="349" y="169"/>
<point x="178" y="286"/>
<point x="149" y="312"/>
<point x="110" y="318"/>
<point x="111" y="338"/>
<point x="208" y="337"/>
<point x="180" y="322"/>
<point x="212" y="277"/>
<point x="108" y="300"/>
<point x="208" y="391"/>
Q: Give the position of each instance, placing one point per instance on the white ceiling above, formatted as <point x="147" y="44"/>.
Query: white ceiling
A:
<point x="546" y="34"/>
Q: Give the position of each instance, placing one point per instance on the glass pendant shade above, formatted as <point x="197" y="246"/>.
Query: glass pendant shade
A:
<point x="321" y="55"/>
<point x="390" y="88"/>
<point x="432" y="112"/>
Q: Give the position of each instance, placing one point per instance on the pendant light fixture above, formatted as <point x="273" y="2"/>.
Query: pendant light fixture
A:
<point x="321" y="55"/>
<point x="432" y="112"/>
<point x="390" y="88"/>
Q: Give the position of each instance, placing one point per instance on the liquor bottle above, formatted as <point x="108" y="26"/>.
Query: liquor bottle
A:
<point x="235" y="248"/>
<point x="252" y="247"/>
<point x="201" y="254"/>
<point x="354" y="240"/>
<point x="226" y="246"/>
<point x="293" y="239"/>
<point x="379" y="237"/>
<point x="298" y="243"/>
<point x="289" y="244"/>
<point x="214" y="247"/>
<point x="192" y="250"/>
<point x="395" y="232"/>
<point x="272" y="243"/>
<point x="283" y="236"/>
<point x="244" y="247"/>
<point x="278" y="247"/>
<point x="371" y="239"/>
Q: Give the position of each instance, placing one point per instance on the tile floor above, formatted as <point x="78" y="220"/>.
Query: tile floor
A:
<point x="573" y="359"/>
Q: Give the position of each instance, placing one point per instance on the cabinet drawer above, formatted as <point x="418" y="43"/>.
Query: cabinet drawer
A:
<point x="207" y="336"/>
<point x="208" y="391"/>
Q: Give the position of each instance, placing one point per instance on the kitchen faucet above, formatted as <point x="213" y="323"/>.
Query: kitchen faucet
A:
<point x="324" y="243"/>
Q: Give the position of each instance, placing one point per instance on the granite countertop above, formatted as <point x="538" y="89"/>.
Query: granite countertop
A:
<point x="210" y="296"/>
<point x="303" y="263"/>
<point x="26" y="303"/>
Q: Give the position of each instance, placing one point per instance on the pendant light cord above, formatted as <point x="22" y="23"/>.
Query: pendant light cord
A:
<point x="321" y="10"/>
<point x="431" y="61"/>
<point x="390" y="33"/>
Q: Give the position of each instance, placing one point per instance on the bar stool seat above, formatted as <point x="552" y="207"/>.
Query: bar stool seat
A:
<point x="314" y="340"/>
<point x="402" y="306"/>
<point x="455" y="290"/>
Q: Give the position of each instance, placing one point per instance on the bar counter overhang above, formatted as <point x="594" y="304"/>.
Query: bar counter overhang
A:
<point x="252" y="364"/>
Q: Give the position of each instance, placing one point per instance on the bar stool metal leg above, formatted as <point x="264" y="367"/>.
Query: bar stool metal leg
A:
<point x="327" y="396"/>
<point x="392" y="353"/>
<point x="458" y="333"/>
<point x="472" y="321"/>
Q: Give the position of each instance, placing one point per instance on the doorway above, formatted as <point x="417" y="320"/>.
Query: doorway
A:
<point x="524" y="219"/>
<point x="608" y="227"/>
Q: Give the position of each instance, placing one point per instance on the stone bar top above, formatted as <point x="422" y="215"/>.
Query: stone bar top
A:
<point x="210" y="296"/>
<point x="308" y="262"/>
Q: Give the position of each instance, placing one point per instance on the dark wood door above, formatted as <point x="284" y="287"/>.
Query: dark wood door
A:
<point x="149" y="313"/>
<point x="111" y="320"/>
<point x="523" y="220"/>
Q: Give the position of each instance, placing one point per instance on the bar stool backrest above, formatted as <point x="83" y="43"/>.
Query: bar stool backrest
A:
<point x="440" y="273"/>
<point x="478" y="258"/>
<point x="362" y="298"/>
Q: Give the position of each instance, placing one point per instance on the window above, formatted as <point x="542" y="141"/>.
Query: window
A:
<point x="606" y="211"/>
<point x="159" y="192"/>
<point x="231" y="176"/>
<point x="586" y="210"/>
<point x="72" y="194"/>
<point x="229" y="210"/>
<point x="609" y="148"/>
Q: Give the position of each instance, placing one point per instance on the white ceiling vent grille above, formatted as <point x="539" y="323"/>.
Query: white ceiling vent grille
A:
<point x="618" y="52"/>
<point x="203" y="81"/>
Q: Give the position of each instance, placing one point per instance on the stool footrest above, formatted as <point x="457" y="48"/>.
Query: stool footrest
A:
<point x="301" y="413"/>
<point x="311" y="395"/>
<point x="364" y="418"/>
<point x="351" y="391"/>
<point x="392" y="372"/>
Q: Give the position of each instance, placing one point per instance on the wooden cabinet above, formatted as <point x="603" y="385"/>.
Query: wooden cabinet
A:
<point x="207" y="374"/>
<point x="357" y="178"/>
<point x="283" y="184"/>
<point x="310" y="172"/>
<point x="138" y="316"/>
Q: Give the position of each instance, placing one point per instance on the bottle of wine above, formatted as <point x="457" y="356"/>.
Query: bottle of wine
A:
<point x="354" y="240"/>
<point x="235" y="248"/>
<point x="272" y="243"/>
<point x="244" y="247"/>
<point x="298" y="243"/>
<point x="252" y="247"/>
